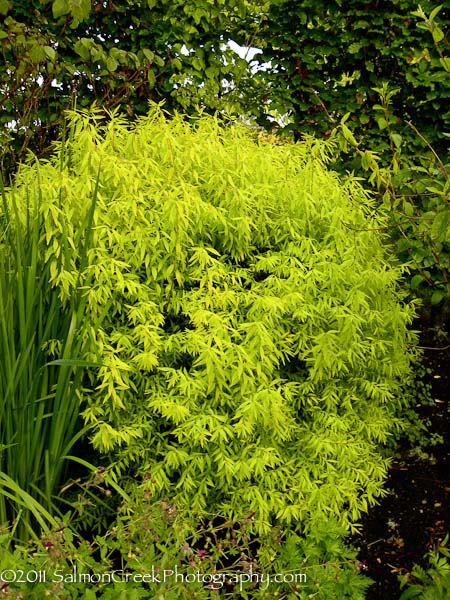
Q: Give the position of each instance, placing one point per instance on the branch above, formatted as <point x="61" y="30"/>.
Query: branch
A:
<point x="424" y="139"/>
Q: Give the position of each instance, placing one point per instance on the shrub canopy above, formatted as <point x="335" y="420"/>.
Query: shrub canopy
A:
<point x="244" y="309"/>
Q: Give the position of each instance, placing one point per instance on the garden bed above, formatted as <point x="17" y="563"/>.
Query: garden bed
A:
<point x="416" y="514"/>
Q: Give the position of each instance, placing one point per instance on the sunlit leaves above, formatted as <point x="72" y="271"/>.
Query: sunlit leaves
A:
<point x="245" y="314"/>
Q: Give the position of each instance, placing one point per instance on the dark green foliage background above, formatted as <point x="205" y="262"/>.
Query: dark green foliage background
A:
<point x="326" y="58"/>
<point x="56" y="55"/>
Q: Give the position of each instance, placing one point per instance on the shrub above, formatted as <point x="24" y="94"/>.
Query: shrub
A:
<point x="411" y="175"/>
<point x="245" y="310"/>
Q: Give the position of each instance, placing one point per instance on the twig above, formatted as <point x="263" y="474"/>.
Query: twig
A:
<point x="431" y="347"/>
<point x="435" y="154"/>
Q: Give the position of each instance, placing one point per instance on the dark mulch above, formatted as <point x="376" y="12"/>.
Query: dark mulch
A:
<point x="416" y="514"/>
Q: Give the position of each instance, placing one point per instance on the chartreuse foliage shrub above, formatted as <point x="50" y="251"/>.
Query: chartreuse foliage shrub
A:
<point x="244" y="310"/>
<point x="244" y="342"/>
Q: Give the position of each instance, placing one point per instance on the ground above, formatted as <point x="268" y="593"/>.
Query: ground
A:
<point x="415" y="516"/>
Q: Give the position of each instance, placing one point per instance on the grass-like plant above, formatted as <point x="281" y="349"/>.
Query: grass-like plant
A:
<point x="41" y="307"/>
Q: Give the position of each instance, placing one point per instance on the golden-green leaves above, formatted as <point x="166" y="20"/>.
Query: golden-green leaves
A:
<point x="245" y="313"/>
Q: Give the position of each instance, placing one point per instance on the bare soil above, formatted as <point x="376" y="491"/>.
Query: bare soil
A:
<point x="416" y="515"/>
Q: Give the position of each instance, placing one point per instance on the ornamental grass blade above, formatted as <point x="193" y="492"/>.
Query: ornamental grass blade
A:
<point x="39" y="412"/>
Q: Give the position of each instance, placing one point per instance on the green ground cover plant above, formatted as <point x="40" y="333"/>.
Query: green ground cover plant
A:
<point x="433" y="581"/>
<point x="152" y="552"/>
